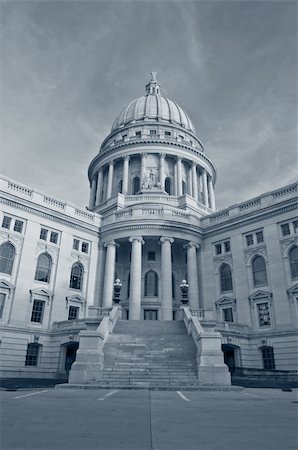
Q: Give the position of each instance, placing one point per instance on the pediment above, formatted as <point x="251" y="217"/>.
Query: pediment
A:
<point x="293" y="289"/>
<point x="4" y="284"/>
<point x="259" y="295"/>
<point x="225" y="301"/>
<point x="41" y="291"/>
<point x="76" y="299"/>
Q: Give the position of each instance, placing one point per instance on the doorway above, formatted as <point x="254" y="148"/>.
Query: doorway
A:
<point x="70" y="355"/>
<point x="231" y="356"/>
<point x="150" y="314"/>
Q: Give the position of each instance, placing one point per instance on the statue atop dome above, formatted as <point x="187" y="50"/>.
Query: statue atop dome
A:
<point x="153" y="76"/>
<point x="153" y="87"/>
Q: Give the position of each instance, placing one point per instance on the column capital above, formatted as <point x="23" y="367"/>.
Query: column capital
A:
<point x="110" y="243"/>
<point x="191" y="244"/>
<point x="193" y="164"/>
<point x="179" y="158"/>
<point x="165" y="239"/>
<point x="136" y="238"/>
<point x="126" y="157"/>
<point x="162" y="155"/>
<point x="111" y="163"/>
<point x="144" y="155"/>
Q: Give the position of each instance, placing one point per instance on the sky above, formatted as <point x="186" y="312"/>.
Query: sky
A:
<point x="67" y="68"/>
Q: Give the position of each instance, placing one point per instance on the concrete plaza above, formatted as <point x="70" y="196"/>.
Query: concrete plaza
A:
<point x="252" y="419"/>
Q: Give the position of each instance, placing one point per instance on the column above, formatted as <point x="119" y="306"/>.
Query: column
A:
<point x="205" y="188"/>
<point x="179" y="176"/>
<point x="194" y="181"/>
<point x="166" y="279"/>
<point x="135" y="278"/>
<point x="92" y="193"/>
<point x="99" y="186"/>
<point x="211" y="194"/>
<point x="143" y="168"/>
<point x="99" y="277"/>
<point x="125" y="175"/>
<point x="162" y="170"/>
<point x="192" y="275"/>
<point x="109" y="275"/>
<point x="110" y="179"/>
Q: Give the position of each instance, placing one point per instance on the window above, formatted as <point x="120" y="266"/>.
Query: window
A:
<point x="168" y="133"/>
<point x="249" y="239"/>
<point x="227" y="246"/>
<point x="7" y="255"/>
<point x="151" y="284"/>
<point x="135" y="185"/>
<point x="43" y="268"/>
<point x="295" y="225"/>
<point x="37" y="311"/>
<point x="85" y="247"/>
<point x="227" y="314"/>
<point x="217" y="249"/>
<point x="285" y="229"/>
<point x="32" y="355"/>
<point x="2" y="303"/>
<point x="73" y="312"/>
<point x="43" y="234"/>
<point x="54" y="237"/>
<point x="224" y="246"/>
<point x="259" y="271"/>
<point x="120" y="186"/>
<point x="259" y="236"/>
<point x="226" y="283"/>
<point x="183" y="187"/>
<point x="138" y="133"/>
<point x="76" y="244"/>
<point x="6" y="222"/>
<point x="151" y="256"/>
<point x="268" y="358"/>
<point x="18" y="226"/>
<point x="76" y="276"/>
<point x="264" y="314"/>
<point x="293" y="257"/>
<point x="152" y="132"/>
<point x="168" y="185"/>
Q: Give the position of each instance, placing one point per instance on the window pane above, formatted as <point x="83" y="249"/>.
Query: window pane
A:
<point x="264" y="314"/>
<point x="259" y="236"/>
<point x="73" y="312"/>
<point x="85" y="247"/>
<point x="54" y="237"/>
<point x="18" y="226"/>
<point x="32" y="355"/>
<point x="7" y="254"/>
<point x="228" y="314"/>
<point x="6" y="222"/>
<point x="43" y="268"/>
<point x="268" y="358"/>
<point x="151" y="284"/>
<point x="43" y="234"/>
<point x="151" y="256"/>
<point x="37" y="311"/>
<point x="227" y="246"/>
<point x="76" y="276"/>
<point x="285" y="229"/>
<point x="259" y="271"/>
<point x="218" y="249"/>
<point x="226" y="278"/>
<point x="76" y="244"/>
<point x="295" y="225"/>
<point x="249" y="239"/>
<point x="294" y="262"/>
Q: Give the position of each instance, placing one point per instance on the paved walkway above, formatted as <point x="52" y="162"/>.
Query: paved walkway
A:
<point x="254" y="419"/>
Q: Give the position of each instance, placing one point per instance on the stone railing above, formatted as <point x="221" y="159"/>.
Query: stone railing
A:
<point x="250" y="204"/>
<point x="53" y="202"/>
<point x="20" y="189"/>
<point x="84" y="214"/>
<point x="76" y="325"/>
<point x="207" y="314"/>
<point x="286" y="191"/>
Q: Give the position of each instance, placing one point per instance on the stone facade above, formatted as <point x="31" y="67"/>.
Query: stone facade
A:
<point x="151" y="223"/>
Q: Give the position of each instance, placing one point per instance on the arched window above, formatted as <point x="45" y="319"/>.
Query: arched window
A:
<point x="7" y="254"/>
<point x="293" y="257"/>
<point x="43" y="268"/>
<point x="135" y="185"/>
<point x="120" y="186"/>
<point x="183" y="187"/>
<point x="168" y="186"/>
<point x="76" y="276"/>
<point x="226" y="282"/>
<point x="151" y="284"/>
<point x="259" y="271"/>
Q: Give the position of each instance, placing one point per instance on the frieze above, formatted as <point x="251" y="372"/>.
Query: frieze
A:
<point x="260" y="250"/>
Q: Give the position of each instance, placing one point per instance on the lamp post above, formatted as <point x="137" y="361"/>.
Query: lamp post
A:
<point x="117" y="290"/>
<point x="184" y="292"/>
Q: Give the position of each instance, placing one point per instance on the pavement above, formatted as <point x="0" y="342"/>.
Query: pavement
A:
<point x="252" y="419"/>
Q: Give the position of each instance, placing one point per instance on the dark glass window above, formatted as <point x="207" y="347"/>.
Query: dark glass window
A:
<point x="295" y="225"/>
<point x="32" y="355"/>
<point x="151" y="284"/>
<point x="228" y="314"/>
<point x="259" y="271"/>
<point x="227" y="246"/>
<point x="217" y="249"/>
<point x="168" y="133"/>
<point x="7" y="255"/>
<point x="183" y="187"/>
<point x="285" y="229"/>
<point x="226" y="283"/>
<point x="168" y="185"/>
<point x="2" y="303"/>
<point x="6" y="222"/>
<point x="151" y="256"/>
<point x="37" y="311"/>
<point x="268" y="358"/>
<point x="18" y="226"/>
<point x="293" y="256"/>
<point x="54" y="237"/>
<point x="43" y="234"/>
<point x="138" y="133"/>
<point x="249" y="239"/>
<point x="152" y="132"/>
<point x="259" y="236"/>
<point x="85" y="247"/>
<point x="120" y="186"/>
<point x="76" y="244"/>
<point x="135" y="185"/>
<point x="43" y="268"/>
<point x="76" y="276"/>
<point x="264" y="314"/>
<point x="73" y="312"/>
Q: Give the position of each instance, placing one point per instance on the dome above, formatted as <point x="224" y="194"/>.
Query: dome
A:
<point x="153" y="107"/>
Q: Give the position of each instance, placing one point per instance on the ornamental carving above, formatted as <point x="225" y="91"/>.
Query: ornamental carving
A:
<point x="260" y="250"/>
<point x="286" y="243"/>
<point x="82" y="258"/>
<point x="50" y="249"/>
<point x="16" y="240"/>
<point x="218" y="260"/>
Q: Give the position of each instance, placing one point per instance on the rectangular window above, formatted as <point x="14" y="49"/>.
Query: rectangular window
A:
<point x="152" y="132"/>
<point x="249" y="239"/>
<point x="32" y="355"/>
<point x="85" y="247"/>
<point x="43" y="234"/>
<point x="285" y="229"/>
<point x="2" y="303"/>
<point x="295" y="225"/>
<point x="268" y="358"/>
<point x="138" y="133"/>
<point x="264" y="314"/>
<point x="227" y="246"/>
<point x="151" y="256"/>
<point x="73" y="312"/>
<point x="6" y="222"/>
<point x="259" y="236"/>
<point x="217" y="249"/>
<point x="54" y="237"/>
<point x="168" y="133"/>
<point x="76" y="244"/>
<point x="228" y="314"/>
<point x="18" y="226"/>
<point x="37" y="311"/>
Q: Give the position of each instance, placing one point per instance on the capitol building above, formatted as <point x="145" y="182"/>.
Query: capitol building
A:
<point x="151" y="233"/>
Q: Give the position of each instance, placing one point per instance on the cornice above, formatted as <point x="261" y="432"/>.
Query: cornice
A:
<point x="49" y="216"/>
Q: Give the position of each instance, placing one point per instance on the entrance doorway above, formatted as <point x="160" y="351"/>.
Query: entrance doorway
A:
<point x="231" y="356"/>
<point x="150" y="314"/>
<point x="70" y="355"/>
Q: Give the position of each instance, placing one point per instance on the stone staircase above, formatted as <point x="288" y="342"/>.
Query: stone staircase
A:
<point x="149" y="354"/>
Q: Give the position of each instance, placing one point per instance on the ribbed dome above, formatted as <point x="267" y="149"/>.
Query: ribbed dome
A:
<point x="153" y="107"/>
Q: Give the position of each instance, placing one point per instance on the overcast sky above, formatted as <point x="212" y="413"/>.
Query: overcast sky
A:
<point x="68" y="68"/>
